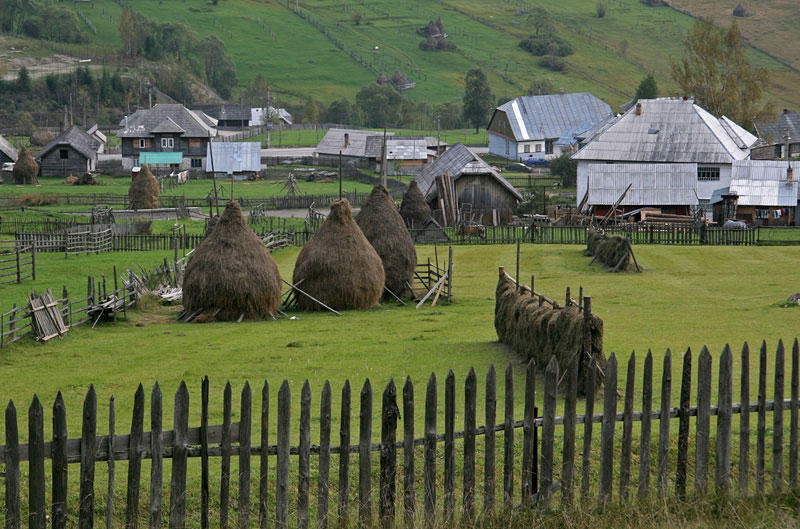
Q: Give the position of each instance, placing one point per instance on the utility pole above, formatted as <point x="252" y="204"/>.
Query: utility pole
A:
<point x="438" y="135"/>
<point x="383" y="160"/>
<point x="268" y="117"/>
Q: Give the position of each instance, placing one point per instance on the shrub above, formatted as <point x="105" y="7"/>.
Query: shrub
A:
<point x="553" y="62"/>
<point x="565" y="167"/>
<point x="546" y="45"/>
<point x="601" y="10"/>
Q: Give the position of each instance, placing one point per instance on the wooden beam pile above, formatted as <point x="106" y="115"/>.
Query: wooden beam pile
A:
<point x="448" y="204"/>
<point x="46" y="317"/>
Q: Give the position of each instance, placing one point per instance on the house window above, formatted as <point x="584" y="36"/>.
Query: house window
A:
<point x="142" y="143"/>
<point x="538" y="147"/>
<point x="527" y="147"/>
<point x="167" y="143"/>
<point x="778" y="151"/>
<point x="707" y="173"/>
<point x="548" y="146"/>
<point x="63" y="154"/>
<point x="197" y="162"/>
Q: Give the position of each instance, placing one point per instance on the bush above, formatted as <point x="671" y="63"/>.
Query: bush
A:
<point x="565" y="167"/>
<point x="553" y="62"/>
<point x="540" y="45"/>
<point x="601" y="10"/>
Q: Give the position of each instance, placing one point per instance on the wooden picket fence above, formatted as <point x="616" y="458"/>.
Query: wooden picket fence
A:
<point x="17" y="262"/>
<point x="250" y="438"/>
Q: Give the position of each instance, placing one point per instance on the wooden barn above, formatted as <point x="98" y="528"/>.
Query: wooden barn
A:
<point x="761" y="193"/>
<point x="8" y="154"/>
<point x="481" y="194"/>
<point x="73" y="152"/>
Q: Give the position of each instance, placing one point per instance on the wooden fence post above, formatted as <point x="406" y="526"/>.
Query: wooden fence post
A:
<point x="430" y="452"/>
<point x="724" y="417"/>
<point x="135" y="460"/>
<point x="470" y="398"/>
<point x="777" y="422"/>
<point x="449" y="445"/>
<point x="548" y="431"/>
<point x="490" y="409"/>
<point x="703" y="420"/>
<point x="304" y="457"/>
<point x="409" y="482"/>
<point x="157" y="463"/>
<point x="59" y="455"/>
<point x="508" y="439"/>
<point x="177" y="493"/>
<point x="282" y="481"/>
<point x="88" y="456"/>
<point x="344" y="457"/>
<point x="12" y="468"/>
<point x="225" y="457"/>
<point x="245" y="426"/>
<point x="527" y="440"/>
<point x="323" y="481"/>
<point x="663" y="437"/>
<point x="37" y="512"/>
<point x="388" y="456"/>
<point x="744" y="421"/>
<point x="607" y="432"/>
<point x="364" y="457"/>
<point x="263" y="480"/>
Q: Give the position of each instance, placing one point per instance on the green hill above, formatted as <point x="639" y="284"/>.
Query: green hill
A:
<point x="329" y="49"/>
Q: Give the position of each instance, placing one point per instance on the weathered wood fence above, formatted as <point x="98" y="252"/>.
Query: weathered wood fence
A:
<point x="542" y="478"/>
<point x="17" y="262"/>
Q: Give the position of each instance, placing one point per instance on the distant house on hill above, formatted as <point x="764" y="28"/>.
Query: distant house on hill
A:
<point x="73" y="152"/>
<point x="543" y="126"/>
<point x="478" y="188"/>
<point x="773" y="134"/>
<point x="8" y="154"/>
<point x="673" y="154"/>
<point x="227" y="115"/>
<point x="167" y="128"/>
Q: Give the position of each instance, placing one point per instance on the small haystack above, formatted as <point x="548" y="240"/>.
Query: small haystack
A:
<point x="612" y="251"/>
<point x="414" y="209"/>
<point x="382" y="79"/>
<point x="231" y="274"/>
<point x="144" y="190"/>
<point x="739" y="11"/>
<point x="25" y="169"/>
<point x="41" y="137"/>
<point x="339" y="266"/>
<point x="384" y="228"/>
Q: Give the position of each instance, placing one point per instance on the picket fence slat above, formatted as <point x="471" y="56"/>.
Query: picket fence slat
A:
<point x="744" y="422"/>
<point x="793" y="417"/>
<point x="37" y="512"/>
<point x="430" y="453"/>
<point x="365" y="457"/>
<point x="323" y="480"/>
<point x="627" y="430"/>
<point x="135" y="460"/>
<point x="777" y="422"/>
<point x="225" y="460"/>
<point x="607" y="431"/>
<point x="527" y="434"/>
<point x="205" y="492"/>
<point x="703" y="435"/>
<point x="263" y="479"/>
<point x="304" y="457"/>
<point x="88" y="455"/>
<point x="388" y="456"/>
<point x="157" y="463"/>
<point x="245" y="423"/>
<point x="570" y="405"/>
<point x="681" y="465"/>
<point x="724" y="417"/>
<point x="409" y="481"/>
<point x="508" y="439"/>
<point x="663" y="423"/>
<point x="449" y="445"/>
<point x="282" y="481"/>
<point x="177" y="496"/>
<point x="762" y="418"/>
<point x="60" y="466"/>
<point x="344" y="458"/>
<point x="470" y="402"/>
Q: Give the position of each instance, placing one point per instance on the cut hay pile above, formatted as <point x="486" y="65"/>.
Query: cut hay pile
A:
<point x="414" y="209"/>
<point x="382" y="225"/>
<point x="231" y="274"/>
<point x="41" y="137"/>
<point x="339" y="266"/>
<point x="144" y="190"/>
<point x="612" y="251"/>
<point x="541" y="331"/>
<point x="25" y="169"/>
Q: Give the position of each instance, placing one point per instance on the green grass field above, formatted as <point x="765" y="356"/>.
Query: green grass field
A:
<point x="312" y="137"/>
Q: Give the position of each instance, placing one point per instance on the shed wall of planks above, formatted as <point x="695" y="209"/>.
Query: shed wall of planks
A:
<point x="451" y="453"/>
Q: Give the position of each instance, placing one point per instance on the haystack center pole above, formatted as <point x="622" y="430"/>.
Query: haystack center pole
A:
<point x="340" y="175"/>
<point x="383" y="159"/>
<point x="213" y="174"/>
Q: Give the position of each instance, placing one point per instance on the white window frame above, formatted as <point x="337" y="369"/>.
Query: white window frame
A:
<point x="142" y="143"/>
<point x="538" y="147"/>
<point x="167" y="143"/>
<point x="708" y="173"/>
<point x="526" y="147"/>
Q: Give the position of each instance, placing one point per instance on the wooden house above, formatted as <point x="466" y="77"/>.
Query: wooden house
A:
<point x="351" y="143"/>
<point x="228" y="116"/>
<point x="73" y="152"/>
<point x="167" y="128"/>
<point x="405" y="155"/>
<point x="479" y="189"/>
<point x="8" y="154"/>
<point x="777" y="136"/>
<point x="542" y="127"/>
<point x="761" y="193"/>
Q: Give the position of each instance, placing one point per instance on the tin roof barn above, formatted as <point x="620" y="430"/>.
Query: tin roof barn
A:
<point x="543" y="126"/>
<point x="762" y="192"/>
<point x="351" y="143"/>
<point x="233" y="158"/>
<point x="774" y="137"/>
<point x="227" y="115"/>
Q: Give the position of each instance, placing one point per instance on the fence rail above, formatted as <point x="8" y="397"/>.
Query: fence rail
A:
<point x="17" y="262"/>
<point x="532" y="483"/>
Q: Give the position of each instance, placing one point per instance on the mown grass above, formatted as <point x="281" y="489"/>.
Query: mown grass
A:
<point x="312" y="137"/>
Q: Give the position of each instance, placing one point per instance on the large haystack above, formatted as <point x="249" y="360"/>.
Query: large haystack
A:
<point x="231" y="273"/>
<point x="384" y="228"/>
<point x="25" y="169"/>
<point x="414" y="209"/>
<point x="539" y="331"/>
<point x="144" y="190"/>
<point x="339" y="266"/>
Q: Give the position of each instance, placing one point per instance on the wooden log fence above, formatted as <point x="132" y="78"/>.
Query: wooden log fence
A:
<point x="17" y="262"/>
<point x="278" y="486"/>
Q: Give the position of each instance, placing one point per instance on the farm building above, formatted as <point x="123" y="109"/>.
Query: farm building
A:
<point x="351" y="143"/>
<point x="405" y="155"/>
<point x="166" y="128"/>
<point x="8" y="154"/>
<point x="228" y="116"/>
<point x="241" y="160"/>
<point x="95" y="132"/>
<point x="761" y="193"/>
<point x="73" y="152"/>
<point x="478" y="188"/>
<point x="662" y="132"/>
<point x="258" y="116"/>
<point x="542" y="127"/>
<point x="776" y="134"/>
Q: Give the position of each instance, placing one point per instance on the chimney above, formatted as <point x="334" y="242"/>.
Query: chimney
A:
<point x="638" y="109"/>
<point x="790" y="173"/>
<point x="346" y="139"/>
<point x="686" y="98"/>
<point x="561" y="91"/>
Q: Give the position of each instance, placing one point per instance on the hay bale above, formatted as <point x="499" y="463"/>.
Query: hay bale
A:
<point x="592" y="238"/>
<point x="414" y="209"/>
<point x="614" y="252"/>
<point x="382" y="225"/>
<point x="25" y="169"/>
<point x="339" y="266"/>
<point x="144" y="190"/>
<point x="71" y="180"/>
<point x="41" y="137"/>
<point x="541" y="331"/>
<point x="231" y="273"/>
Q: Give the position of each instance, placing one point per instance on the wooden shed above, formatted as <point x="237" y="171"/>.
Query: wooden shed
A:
<point x="73" y="152"/>
<point x="8" y="154"/>
<point x="478" y="188"/>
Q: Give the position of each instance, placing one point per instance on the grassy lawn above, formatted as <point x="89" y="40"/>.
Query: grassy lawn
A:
<point x="312" y="137"/>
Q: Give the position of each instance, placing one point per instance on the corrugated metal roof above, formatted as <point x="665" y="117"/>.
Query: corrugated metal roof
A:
<point x="142" y="123"/>
<point x="333" y="142"/>
<point x="234" y="157"/>
<point x="455" y="161"/>
<point x="226" y="111"/>
<point x="76" y="138"/>
<point x="667" y="184"/>
<point x="776" y="130"/>
<point x="764" y="183"/>
<point x="160" y="158"/>
<point x="8" y="149"/>
<point x="397" y="147"/>
<point x="553" y="116"/>
<point x="668" y="130"/>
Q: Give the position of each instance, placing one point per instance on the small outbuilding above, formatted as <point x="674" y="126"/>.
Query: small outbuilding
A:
<point x="73" y="152"/>
<point x="8" y="154"/>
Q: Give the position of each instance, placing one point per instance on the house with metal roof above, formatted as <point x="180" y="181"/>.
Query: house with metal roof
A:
<point x="228" y="115"/>
<point x="761" y="193"/>
<point x="660" y="133"/>
<point x="261" y="116"/>
<point x="405" y="155"/>
<point x="776" y="134"/>
<point x="236" y="159"/>
<point x="8" y="154"/>
<point x="478" y="188"/>
<point x="167" y="128"/>
<point x="73" y="152"/>
<point x="542" y="127"/>
<point x="351" y="143"/>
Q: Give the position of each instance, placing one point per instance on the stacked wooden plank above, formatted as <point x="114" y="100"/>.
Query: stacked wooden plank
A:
<point x="46" y="316"/>
<point x="447" y="198"/>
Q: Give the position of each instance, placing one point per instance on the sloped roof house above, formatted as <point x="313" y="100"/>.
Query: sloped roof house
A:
<point x="73" y="152"/>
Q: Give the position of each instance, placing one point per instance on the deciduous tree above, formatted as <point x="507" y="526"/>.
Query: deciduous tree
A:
<point x="647" y="89"/>
<point x="478" y="98"/>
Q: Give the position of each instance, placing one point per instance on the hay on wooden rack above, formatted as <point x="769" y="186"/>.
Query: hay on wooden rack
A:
<point x="414" y="209"/>
<point x="25" y="169"/>
<point x="382" y="225"/>
<point x="339" y="266"/>
<point x="612" y="251"/>
<point x="231" y="274"/>
<point x="144" y="190"/>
